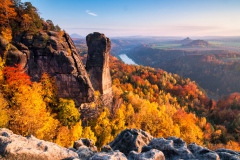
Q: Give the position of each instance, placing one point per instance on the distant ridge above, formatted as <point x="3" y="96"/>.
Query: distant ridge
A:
<point x="75" y="35"/>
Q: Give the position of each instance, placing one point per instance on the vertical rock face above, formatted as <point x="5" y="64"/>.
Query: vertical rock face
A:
<point x="53" y="53"/>
<point x="98" y="65"/>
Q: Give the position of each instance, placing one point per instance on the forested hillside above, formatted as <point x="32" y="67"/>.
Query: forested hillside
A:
<point x="217" y="71"/>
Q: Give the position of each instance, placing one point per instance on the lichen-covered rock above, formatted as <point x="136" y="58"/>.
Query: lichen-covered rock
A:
<point x="133" y="143"/>
<point x="116" y="155"/>
<point x="153" y="154"/>
<point x="131" y="140"/>
<point x="85" y="148"/>
<point x="202" y="153"/>
<point x="13" y="146"/>
<point x="97" y="65"/>
<point x="84" y="153"/>
<point x="53" y="53"/>
<point x="207" y="154"/>
<point x="106" y="148"/>
<point x="84" y="142"/>
<point x="226" y="154"/>
<point x="173" y="148"/>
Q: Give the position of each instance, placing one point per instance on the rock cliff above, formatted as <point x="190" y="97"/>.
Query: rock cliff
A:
<point x="97" y="65"/>
<point x="130" y="144"/>
<point x="55" y="54"/>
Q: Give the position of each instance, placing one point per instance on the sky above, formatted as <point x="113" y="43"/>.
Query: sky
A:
<point x="143" y="17"/>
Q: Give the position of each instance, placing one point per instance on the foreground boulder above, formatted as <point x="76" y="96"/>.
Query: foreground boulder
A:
<point x="131" y="144"/>
<point x="115" y="155"/>
<point x="131" y="140"/>
<point x="202" y="153"/>
<point x="153" y="154"/>
<point x="13" y="146"/>
<point x="85" y="148"/>
<point x="173" y="148"/>
<point x="226" y="154"/>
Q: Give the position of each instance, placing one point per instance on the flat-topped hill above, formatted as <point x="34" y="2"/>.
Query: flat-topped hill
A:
<point x="197" y="43"/>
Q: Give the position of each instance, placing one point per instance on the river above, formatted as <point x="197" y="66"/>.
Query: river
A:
<point x="126" y="59"/>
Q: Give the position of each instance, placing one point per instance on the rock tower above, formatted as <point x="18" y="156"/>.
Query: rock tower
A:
<point x="97" y="65"/>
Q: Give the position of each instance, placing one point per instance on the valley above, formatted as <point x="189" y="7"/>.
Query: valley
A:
<point x="214" y="63"/>
<point x="215" y="66"/>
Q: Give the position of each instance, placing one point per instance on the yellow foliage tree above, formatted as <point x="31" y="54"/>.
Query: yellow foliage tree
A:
<point x="118" y="122"/>
<point x="76" y="131"/>
<point x="189" y="130"/>
<point x="102" y="129"/>
<point x="67" y="135"/>
<point x="4" y="115"/>
<point x="7" y="34"/>
<point x="49" y="89"/>
<point x="63" y="137"/>
<point x="68" y="114"/>
<point x="88" y="133"/>
<point x="26" y="106"/>
<point x="7" y="11"/>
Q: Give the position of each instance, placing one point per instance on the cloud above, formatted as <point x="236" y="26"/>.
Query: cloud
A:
<point x="91" y="13"/>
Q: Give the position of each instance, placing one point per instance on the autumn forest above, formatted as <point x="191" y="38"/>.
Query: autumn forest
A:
<point x="152" y="99"/>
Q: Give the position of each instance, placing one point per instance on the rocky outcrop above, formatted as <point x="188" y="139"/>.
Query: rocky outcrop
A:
<point x="226" y="154"/>
<point x="84" y="142"/>
<point x="130" y="144"/>
<point x="53" y="53"/>
<point x="97" y="65"/>
<point x="115" y="155"/>
<point x="13" y="146"/>
<point x="175" y="148"/>
<point x="131" y="140"/>
<point x="153" y="154"/>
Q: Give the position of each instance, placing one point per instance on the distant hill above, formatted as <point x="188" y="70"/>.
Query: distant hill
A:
<point x="185" y="41"/>
<point x="75" y="35"/>
<point x="197" y="43"/>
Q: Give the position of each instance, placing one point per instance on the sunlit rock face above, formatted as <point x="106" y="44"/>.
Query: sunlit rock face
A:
<point x="53" y="53"/>
<point x="97" y="65"/>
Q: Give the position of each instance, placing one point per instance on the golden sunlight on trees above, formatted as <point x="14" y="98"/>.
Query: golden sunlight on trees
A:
<point x="27" y="108"/>
<point x="88" y="133"/>
<point x="7" y="34"/>
<point x="103" y="129"/>
<point x="189" y="130"/>
<point x="4" y="115"/>
<point x="118" y="122"/>
<point x="7" y="11"/>
<point x="63" y="138"/>
<point x="49" y="91"/>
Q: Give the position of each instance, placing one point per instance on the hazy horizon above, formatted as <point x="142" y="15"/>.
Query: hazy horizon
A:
<point x="185" y="18"/>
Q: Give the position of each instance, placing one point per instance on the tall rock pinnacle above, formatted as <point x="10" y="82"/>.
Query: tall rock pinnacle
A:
<point x="98" y="65"/>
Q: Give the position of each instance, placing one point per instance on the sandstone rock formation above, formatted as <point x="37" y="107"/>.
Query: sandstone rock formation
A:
<point x="115" y="155"/>
<point x="13" y="146"/>
<point x="130" y="144"/>
<point x="55" y="54"/>
<point x="153" y="154"/>
<point x="97" y="65"/>
<point x="131" y="140"/>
